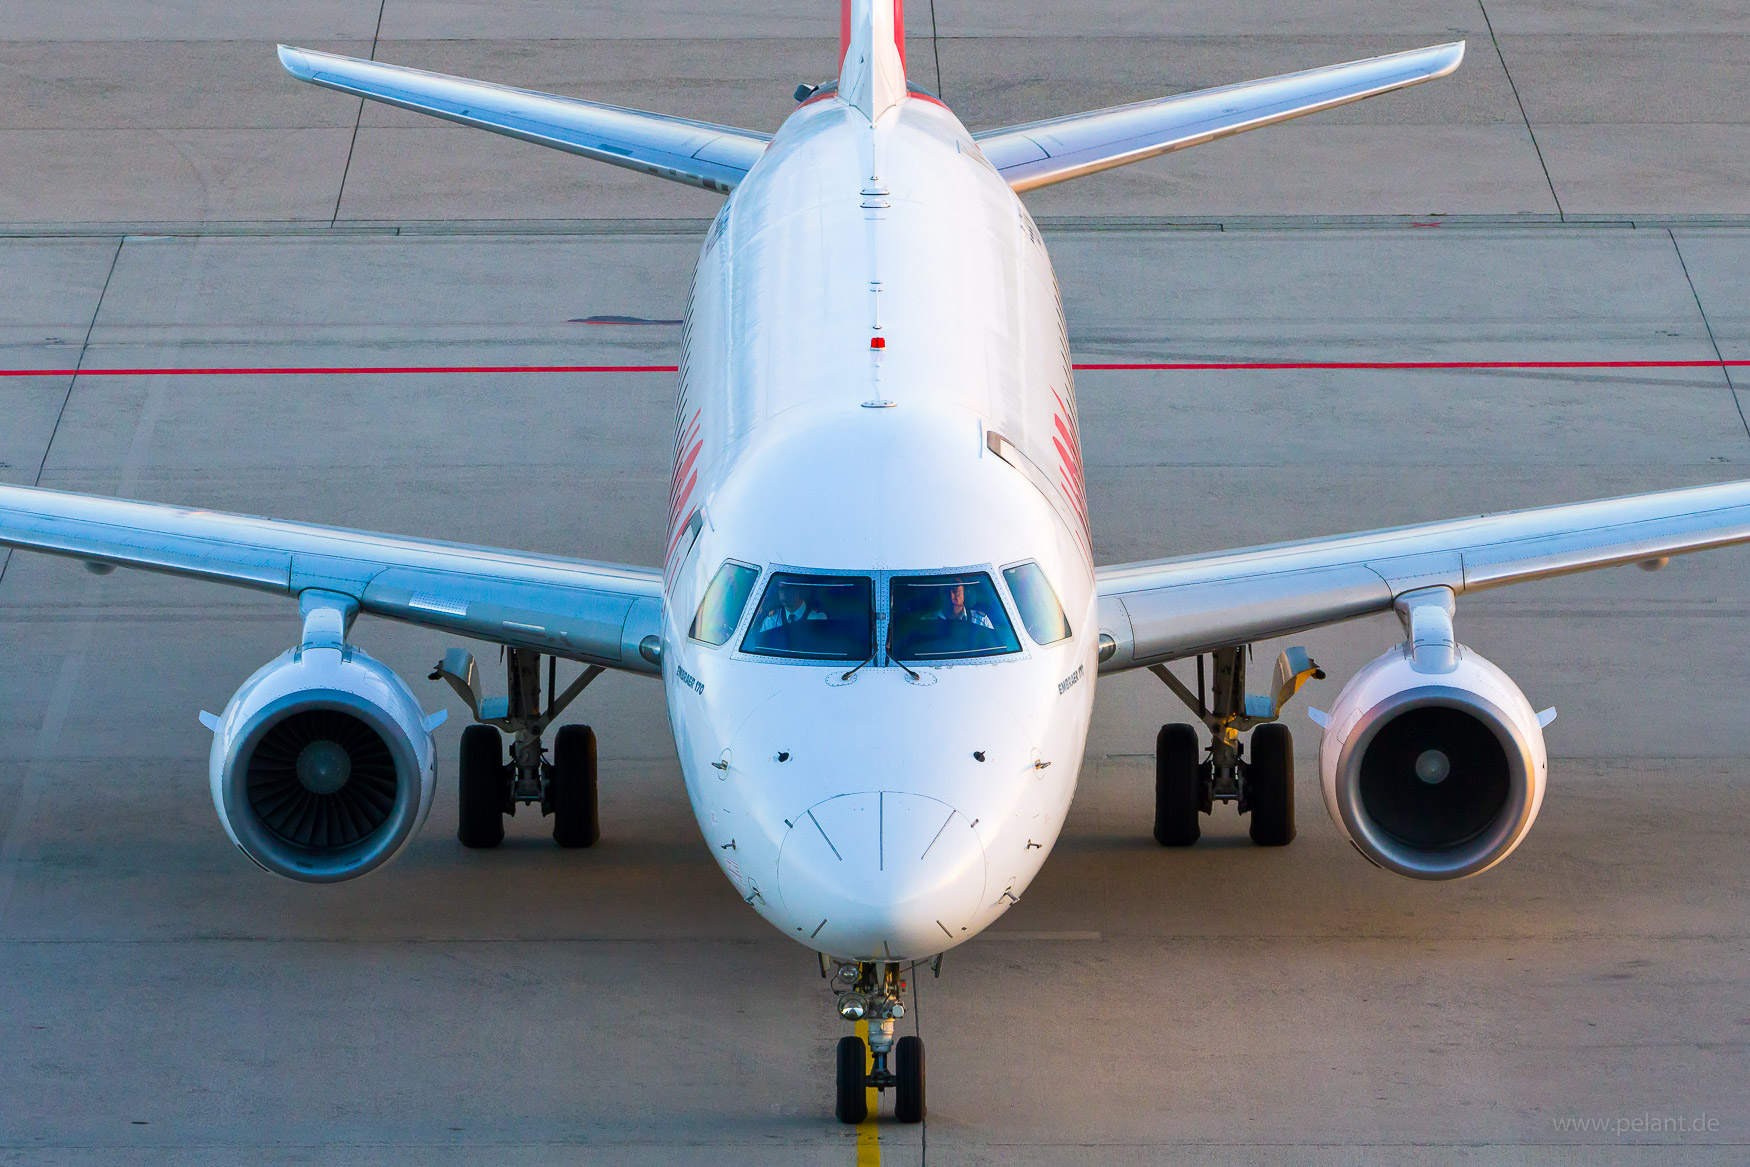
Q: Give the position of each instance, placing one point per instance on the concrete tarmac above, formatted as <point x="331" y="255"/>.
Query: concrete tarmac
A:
<point x="177" y="203"/>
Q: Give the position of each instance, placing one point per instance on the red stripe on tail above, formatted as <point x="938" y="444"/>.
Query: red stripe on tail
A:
<point x="845" y="30"/>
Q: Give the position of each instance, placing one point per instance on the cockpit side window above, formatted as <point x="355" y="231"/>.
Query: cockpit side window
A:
<point x="720" y="611"/>
<point x="814" y="618"/>
<point x="941" y="617"/>
<point x="1036" y="599"/>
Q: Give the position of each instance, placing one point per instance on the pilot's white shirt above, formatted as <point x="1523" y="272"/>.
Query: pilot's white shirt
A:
<point x="785" y="616"/>
<point x="970" y="615"/>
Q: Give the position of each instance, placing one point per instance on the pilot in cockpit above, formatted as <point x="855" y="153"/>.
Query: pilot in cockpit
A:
<point x="954" y="607"/>
<point x="793" y="608"/>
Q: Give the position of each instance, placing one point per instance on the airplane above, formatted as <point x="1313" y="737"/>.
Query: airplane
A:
<point x="879" y="621"/>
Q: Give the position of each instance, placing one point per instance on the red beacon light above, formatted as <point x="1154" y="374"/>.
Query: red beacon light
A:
<point x="877" y="342"/>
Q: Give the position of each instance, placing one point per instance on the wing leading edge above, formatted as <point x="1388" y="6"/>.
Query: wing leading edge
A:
<point x="696" y="153"/>
<point x="594" y="612"/>
<point x="1041" y="153"/>
<point x="1172" y="608"/>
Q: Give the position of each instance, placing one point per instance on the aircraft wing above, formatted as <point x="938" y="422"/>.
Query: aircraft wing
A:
<point x="1040" y="153"/>
<point x="593" y="612"/>
<point x="1173" y="608"/>
<point x="695" y="153"/>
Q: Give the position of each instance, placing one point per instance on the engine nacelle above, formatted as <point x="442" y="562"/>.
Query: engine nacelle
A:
<point x="1433" y="768"/>
<point x="323" y="764"/>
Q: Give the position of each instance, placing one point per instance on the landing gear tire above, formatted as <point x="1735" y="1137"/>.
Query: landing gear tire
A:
<point x="908" y="1075"/>
<point x="572" y="788"/>
<point x="853" y="1099"/>
<point x="481" y="786"/>
<point x="1270" y="785"/>
<point x="1178" y="786"/>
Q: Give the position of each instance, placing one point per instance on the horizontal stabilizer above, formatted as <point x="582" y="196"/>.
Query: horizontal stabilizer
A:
<point x="1041" y="153"/>
<point x="696" y="153"/>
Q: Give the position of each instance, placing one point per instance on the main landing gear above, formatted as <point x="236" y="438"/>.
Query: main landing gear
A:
<point x="492" y="787"/>
<point x="1187" y="786"/>
<point x="871" y="991"/>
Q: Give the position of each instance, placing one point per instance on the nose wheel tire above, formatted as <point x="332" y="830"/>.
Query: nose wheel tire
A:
<point x="852" y="1106"/>
<point x="1270" y="785"/>
<point x="1178" y="786"/>
<point x="572" y="788"/>
<point x="908" y="1075"/>
<point x="482" y="786"/>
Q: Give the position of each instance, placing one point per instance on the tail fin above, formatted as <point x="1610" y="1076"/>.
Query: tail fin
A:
<point x="872" y="54"/>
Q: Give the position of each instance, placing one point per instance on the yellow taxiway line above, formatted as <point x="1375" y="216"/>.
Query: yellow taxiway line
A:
<point x="868" y="1134"/>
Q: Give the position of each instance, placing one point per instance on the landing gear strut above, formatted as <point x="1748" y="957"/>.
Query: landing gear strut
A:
<point x="1263" y="787"/>
<point x="491" y="787"/>
<point x="871" y="991"/>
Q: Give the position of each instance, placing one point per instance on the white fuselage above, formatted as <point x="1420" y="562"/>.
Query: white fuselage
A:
<point x="887" y="816"/>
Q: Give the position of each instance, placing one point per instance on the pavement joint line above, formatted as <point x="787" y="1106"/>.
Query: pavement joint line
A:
<point x="1725" y="365"/>
<point x="72" y="376"/>
<point x="16" y="839"/>
<point x="1345" y="939"/>
<point x="359" y="120"/>
<point x="160" y="1151"/>
<point x="316" y="229"/>
<point x="78" y="364"/>
<point x="1517" y="100"/>
<point x="1091" y="366"/>
<point x="936" y="49"/>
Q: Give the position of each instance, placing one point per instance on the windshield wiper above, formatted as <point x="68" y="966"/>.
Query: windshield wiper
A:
<point x="853" y="672"/>
<point x="909" y="671"/>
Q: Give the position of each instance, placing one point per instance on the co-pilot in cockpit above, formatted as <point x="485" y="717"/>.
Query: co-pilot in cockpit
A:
<point x="814" y="617"/>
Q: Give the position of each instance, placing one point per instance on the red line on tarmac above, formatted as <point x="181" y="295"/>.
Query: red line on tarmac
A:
<point x="1267" y="366"/>
<point x="1128" y="366"/>
<point x="319" y="371"/>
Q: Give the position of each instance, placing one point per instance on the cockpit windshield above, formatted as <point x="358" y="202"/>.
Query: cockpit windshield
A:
<point x="937" y="617"/>
<point x="1037" y="600"/>
<point x="814" y="617"/>
<point x="720" y="610"/>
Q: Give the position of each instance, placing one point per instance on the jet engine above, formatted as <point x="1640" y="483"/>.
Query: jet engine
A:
<point x="322" y="764"/>
<point x="1432" y="761"/>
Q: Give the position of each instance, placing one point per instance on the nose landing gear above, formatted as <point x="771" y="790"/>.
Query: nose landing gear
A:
<point x="870" y="992"/>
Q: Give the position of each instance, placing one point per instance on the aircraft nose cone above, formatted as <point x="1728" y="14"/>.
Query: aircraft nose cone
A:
<point x="881" y="875"/>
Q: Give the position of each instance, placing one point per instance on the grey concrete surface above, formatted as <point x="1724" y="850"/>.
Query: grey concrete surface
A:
<point x="162" y="1002"/>
<point x="168" y="1003"/>
<point x="179" y="112"/>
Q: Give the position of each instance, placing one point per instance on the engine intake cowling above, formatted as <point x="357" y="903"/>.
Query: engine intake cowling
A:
<point x="322" y="765"/>
<point x="1433" y="773"/>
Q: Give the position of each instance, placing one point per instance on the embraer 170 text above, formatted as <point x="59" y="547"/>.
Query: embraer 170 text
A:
<point x="879" y="622"/>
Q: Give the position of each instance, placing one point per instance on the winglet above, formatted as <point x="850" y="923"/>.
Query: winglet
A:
<point x="1320" y="717"/>
<point x="210" y="720"/>
<point x="872" y="51"/>
<point x="1545" y="717"/>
